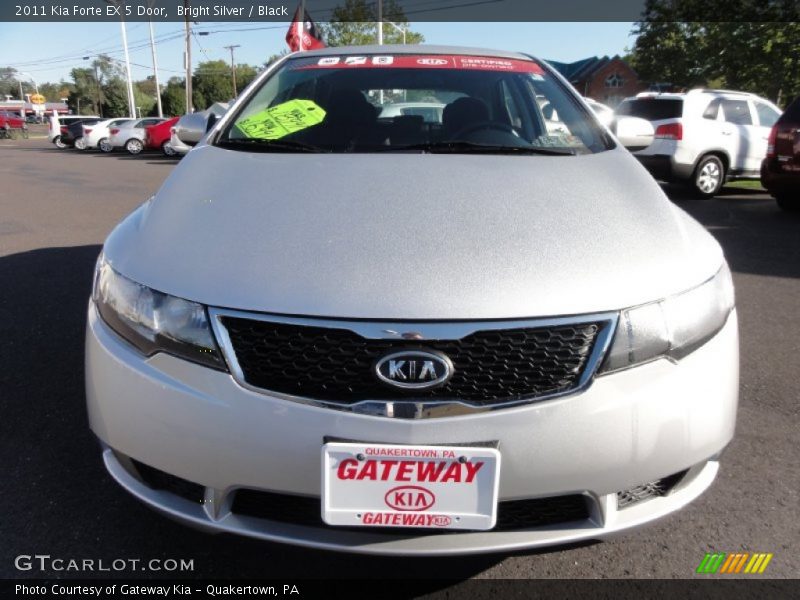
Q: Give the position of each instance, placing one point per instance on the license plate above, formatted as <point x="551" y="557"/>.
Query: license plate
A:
<point x="432" y="487"/>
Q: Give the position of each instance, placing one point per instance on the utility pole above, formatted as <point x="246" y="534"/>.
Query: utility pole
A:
<point x="233" y="66"/>
<point x="155" y="66"/>
<point x="131" y="101"/>
<point x="98" y="108"/>
<point x="188" y="56"/>
<point x="380" y="22"/>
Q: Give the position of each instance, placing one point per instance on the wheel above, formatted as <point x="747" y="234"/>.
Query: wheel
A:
<point x="80" y="143"/>
<point x="105" y="146"/>
<point x="708" y="177"/>
<point x="134" y="146"/>
<point x="788" y="203"/>
<point x="167" y="149"/>
<point x="59" y="144"/>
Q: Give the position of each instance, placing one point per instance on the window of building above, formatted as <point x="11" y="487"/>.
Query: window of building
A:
<point x="614" y="80"/>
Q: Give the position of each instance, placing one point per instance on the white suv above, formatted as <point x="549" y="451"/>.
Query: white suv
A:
<point x="704" y="137"/>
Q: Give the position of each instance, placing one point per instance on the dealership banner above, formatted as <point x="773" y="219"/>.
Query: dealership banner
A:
<point x="282" y="11"/>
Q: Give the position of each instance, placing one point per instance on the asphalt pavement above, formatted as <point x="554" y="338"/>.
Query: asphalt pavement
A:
<point x="56" y="207"/>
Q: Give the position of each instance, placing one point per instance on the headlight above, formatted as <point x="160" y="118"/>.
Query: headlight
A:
<point x="673" y="327"/>
<point x="154" y="322"/>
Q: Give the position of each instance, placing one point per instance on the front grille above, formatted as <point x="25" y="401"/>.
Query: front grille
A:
<point x="651" y="489"/>
<point x="511" y="515"/>
<point x="336" y="365"/>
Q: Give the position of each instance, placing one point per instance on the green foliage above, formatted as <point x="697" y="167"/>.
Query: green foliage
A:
<point x="211" y="82"/>
<point x="353" y="24"/>
<point x="244" y="75"/>
<point x="676" y="45"/>
<point x="173" y="98"/>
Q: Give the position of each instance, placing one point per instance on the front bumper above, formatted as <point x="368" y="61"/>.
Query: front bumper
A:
<point x="628" y="428"/>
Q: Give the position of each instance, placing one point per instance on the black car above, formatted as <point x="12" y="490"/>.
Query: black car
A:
<point x="72" y="134"/>
<point x="780" y="170"/>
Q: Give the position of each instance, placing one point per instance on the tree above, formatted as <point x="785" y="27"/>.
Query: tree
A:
<point x="9" y="84"/>
<point x="173" y="98"/>
<point x="244" y="75"/>
<point x="354" y="25"/>
<point x="675" y="44"/>
<point x="211" y="83"/>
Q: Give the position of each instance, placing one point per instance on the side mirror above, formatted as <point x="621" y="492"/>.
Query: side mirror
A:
<point x="633" y="133"/>
<point x="212" y="120"/>
<point x="191" y="128"/>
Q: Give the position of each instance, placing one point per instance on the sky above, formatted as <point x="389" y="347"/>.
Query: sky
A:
<point x="47" y="51"/>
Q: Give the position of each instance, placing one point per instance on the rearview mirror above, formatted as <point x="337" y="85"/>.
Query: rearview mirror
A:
<point x="191" y="128"/>
<point x="633" y="133"/>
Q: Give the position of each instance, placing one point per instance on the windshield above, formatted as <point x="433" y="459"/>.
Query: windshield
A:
<point x="652" y="109"/>
<point x="435" y="103"/>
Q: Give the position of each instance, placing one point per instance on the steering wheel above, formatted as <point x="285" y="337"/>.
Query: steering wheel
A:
<point x="481" y="126"/>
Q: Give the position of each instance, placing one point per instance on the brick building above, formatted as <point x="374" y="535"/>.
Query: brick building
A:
<point x="607" y="80"/>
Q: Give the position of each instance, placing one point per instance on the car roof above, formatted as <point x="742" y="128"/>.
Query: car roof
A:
<point x="412" y="49"/>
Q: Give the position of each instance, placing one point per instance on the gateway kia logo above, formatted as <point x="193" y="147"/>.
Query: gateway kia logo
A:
<point x="414" y="369"/>
<point x="409" y="497"/>
<point x="431" y="61"/>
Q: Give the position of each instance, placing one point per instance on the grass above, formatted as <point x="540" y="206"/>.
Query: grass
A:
<point x="745" y="184"/>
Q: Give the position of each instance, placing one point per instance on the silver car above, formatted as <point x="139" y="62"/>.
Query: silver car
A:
<point x="354" y="333"/>
<point x="130" y="134"/>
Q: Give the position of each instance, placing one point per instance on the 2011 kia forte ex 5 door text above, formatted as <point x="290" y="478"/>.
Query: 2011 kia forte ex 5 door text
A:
<point x="356" y="328"/>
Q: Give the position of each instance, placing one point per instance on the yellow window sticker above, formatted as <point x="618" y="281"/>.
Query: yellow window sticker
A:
<point x="281" y="120"/>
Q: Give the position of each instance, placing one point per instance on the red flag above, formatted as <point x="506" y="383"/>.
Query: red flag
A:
<point x="303" y="33"/>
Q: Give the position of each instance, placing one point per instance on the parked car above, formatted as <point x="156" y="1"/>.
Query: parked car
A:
<point x="780" y="170"/>
<point x="704" y="137"/>
<point x="320" y="332"/>
<point x="605" y="114"/>
<point x="130" y="134"/>
<point x="183" y="146"/>
<point x="157" y="137"/>
<point x="10" y="122"/>
<point x="72" y="134"/>
<point x="97" y="134"/>
<point x="57" y="122"/>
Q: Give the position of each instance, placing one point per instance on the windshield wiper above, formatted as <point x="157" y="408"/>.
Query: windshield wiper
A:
<point x="474" y="147"/>
<point x="265" y="145"/>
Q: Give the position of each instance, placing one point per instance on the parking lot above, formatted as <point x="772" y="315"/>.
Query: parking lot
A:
<point x="56" y="207"/>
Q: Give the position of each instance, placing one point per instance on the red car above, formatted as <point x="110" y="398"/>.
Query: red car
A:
<point x="157" y="137"/>
<point x="10" y="121"/>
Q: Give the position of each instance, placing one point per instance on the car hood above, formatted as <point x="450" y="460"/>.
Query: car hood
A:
<point x="413" y="236"/>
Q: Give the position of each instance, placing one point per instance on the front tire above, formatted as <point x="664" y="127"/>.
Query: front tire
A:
<point x="59" y="144"/>
<point x="787" y="203"/>
<point x="708" y="177"/>
<point x="134" y="146"/>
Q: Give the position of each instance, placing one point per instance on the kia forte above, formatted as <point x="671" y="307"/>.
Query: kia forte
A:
<point x="347" y="326"/>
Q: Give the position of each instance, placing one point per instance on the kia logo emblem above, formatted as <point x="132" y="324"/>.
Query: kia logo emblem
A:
<point x="409" y="497"/>
<point x="432" y="61"/>
<point x="414" y="369"/>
